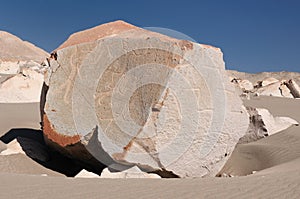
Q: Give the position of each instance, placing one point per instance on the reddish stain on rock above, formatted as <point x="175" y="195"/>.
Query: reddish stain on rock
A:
<point x="56" y="137"/>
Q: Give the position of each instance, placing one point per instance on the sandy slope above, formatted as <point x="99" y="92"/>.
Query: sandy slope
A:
<point x="19" y="115"/>
<point x="13" y="48"/>
<point x="270" y="151"/>
<point x="277" y="156"/>
<point x="21" y="164"/>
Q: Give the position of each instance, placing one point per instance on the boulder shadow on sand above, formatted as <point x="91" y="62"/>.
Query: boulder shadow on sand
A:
<point x="33" y="144"/>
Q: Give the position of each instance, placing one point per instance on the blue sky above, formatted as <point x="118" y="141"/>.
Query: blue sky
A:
<point x="254" y="35"/>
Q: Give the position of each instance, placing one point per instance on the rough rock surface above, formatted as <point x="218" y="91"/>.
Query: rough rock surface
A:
<point x="268" y="81"/>
<point x="280" y="84"/>
<point x="294" y="88"/>
<point x="262" y="124"/>
<point x="257" y="77"/>
<point x="96" y="33"/>
<point x="131" y="96"/>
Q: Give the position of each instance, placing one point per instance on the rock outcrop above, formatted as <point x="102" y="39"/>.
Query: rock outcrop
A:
<point x="285" y="86"/>
<point x="294" y="88"/>
<point x="258" y="77"/>
<point x="263" y="123"/>
<point x="123" y="95"/>
<point x="21" y="70"/>
<point x="22" y="87"/>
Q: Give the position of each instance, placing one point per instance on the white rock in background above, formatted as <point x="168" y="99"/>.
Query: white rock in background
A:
<point x="9" y="67"/>
<point x="246" y="85"/>
<point x="263" y="123"/>
<point x="294" y="88"/>
<point x="275" y="124"/>
<point x="21" y="71"/>
<point x="270" y="90"/>
<point x="268" y="81"/>
<point x="285" y="91"/>
<point x="277" y="84"/>
<point x="24" y="87"/>
<point x="133" y="172"/>
<point x="283" y="88"/>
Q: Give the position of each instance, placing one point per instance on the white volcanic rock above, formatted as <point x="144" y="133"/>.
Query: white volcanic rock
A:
<point x="263" y="123"/>
<point x="278" y="84"/>
<point x="270" y="90"/>
<point x="21" y="71"/>
<point x="151" y="100"/>
<point x="258" y="77"/>
<point x="9" y="67"/>
<point x="246" y="85"/>
<point x="23" y="87"/>
<point x="294" y="88"/>
<point x="282" y="88"/>
<point x="133" y="172"/>
<point x="268" y="81"/>
<point x="285" y="91"/>
<point x="86" y="174"/>
<point x="275" y="124"/>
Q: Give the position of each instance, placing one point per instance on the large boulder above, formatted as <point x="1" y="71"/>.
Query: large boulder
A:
<point x="123" y="95"/>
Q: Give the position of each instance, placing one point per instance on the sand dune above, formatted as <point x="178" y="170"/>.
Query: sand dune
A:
<point x="265" y="153"/>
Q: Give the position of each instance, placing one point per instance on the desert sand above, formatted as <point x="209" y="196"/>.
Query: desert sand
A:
<point x="19" y="115"/>
<point x="274" y="160"/>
